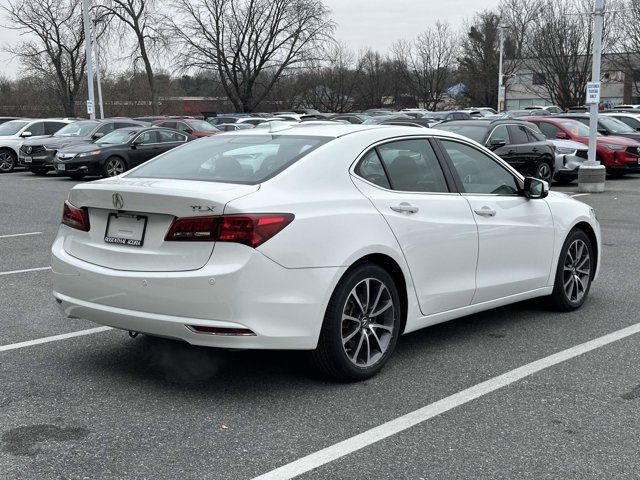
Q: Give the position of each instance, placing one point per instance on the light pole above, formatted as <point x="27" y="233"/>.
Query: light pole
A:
<point x="501" y="86"/>
<point x="94" y="39"/>
<point x="598" y="20"/>
<point x="87" y="49"/>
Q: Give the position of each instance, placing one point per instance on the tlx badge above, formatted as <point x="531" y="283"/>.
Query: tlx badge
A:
<point x="201" y="208"/>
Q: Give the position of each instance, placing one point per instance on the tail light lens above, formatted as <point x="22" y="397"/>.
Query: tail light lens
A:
<point x="75" y="217"/>
<point x="251" y="230"/>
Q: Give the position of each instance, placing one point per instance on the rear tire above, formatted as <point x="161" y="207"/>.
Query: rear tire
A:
<point x="576" y="267"/>
<point x="361" y="325"/>
<point x="8" y="161"/>
<point x="544" y="171"/>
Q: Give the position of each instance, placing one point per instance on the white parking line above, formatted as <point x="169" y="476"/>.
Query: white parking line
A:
<point x="423" y="414"/>
<point x="20" y="234"/>
<point x="54" y="338"/>
<point x="580" y="195"/>
<point x="39" y="269"/>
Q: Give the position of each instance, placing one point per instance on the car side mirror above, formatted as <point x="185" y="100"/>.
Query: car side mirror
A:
<point x="561" y="135"/>
<point x="189" y="131"/>
<point x="535" y="188"/>
<point x="97" y="135"/>
<point x="497" y="143"/>
<point x="26" y="134"/>
<point x="602" y="131"/>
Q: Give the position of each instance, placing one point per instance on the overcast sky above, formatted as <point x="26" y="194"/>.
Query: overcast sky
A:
<point x="361" y="23"/>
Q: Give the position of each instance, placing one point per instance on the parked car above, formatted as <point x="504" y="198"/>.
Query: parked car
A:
<point x="631" y="119"/>
<point x="627" y="107"/>
<point x="450" y="115"/>
<point x="618" y="154"/>
<point x="355" y="118"/>
<point x="15" y="132"/>
<point x="233" y="127"/>
<point x="118" y="151"/>
<point x="8" y="119"/>
<point x="548" y="108"/>
<point x="523" y="113"/>
<point x="607" y="126"/>
<point x="192" y="126"/>
<point x="235" y="255"/>
<point x="570" y="155"/>
<point x="517" y="143"/>
<point x="215" y="121"/>
<point x="38" y="154"/>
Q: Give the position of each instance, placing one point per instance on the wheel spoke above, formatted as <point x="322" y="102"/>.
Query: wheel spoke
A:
<point x="350" y="318"/>
<point x="382" y="309"/>
<point x="368" y="297"/>
<point x="355" y="355"/>
<point x="375" y="302"/>
<point x="375" y="335"/>
<point x="366" y="337"/>
<point x="358" y="302"/>
<point x="386" y="328"/>
<point x="350" y="336"/>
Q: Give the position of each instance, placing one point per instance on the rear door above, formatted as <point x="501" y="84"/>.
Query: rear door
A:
<point x="433" y="224"/>
<point x="516" y="235"/>
<point x="144" y="147"/>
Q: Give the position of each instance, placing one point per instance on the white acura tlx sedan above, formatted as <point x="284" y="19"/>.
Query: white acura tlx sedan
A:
<point x="331" y="238"/>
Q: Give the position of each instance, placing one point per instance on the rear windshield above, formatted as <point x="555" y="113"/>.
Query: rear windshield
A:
<point x="247" y="159"/>
<point x="474" y="132"/>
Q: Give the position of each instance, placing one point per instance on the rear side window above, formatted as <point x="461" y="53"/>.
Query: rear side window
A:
<point x="52" y="127"/>
<point x="549" y="130"/>
<point x="412" y="166"/>
<point x="246" y="159"/>
<point x="370" y="168"/>
<point x="166" y="136"/>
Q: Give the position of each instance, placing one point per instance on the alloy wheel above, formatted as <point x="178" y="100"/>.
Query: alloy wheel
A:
<point x="544" y="172"/>
<point x="577" y="271"/>
<point x="6" y="162"/>
<point x="368" y="319"/>
<point x="115" y="166"/>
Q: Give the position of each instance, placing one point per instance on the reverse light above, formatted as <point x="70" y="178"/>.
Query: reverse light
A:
<point x="75" y="217"/>
<point x="249" y="229"/>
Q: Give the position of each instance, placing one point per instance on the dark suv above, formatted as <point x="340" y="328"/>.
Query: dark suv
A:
<point x="518" y="143"/>
<point x="37" y="154"/>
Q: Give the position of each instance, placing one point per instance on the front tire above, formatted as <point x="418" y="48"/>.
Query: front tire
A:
<point x="8" y="161"/>
<point x="40" y="171"/>
<point x="574" y="273"/>
<point x="113" y="166"/>
<point x="361" y="325"/>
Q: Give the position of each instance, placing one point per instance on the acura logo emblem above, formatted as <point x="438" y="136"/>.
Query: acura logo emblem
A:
<point x="29" y="149"/>
<point x="118" y="202"/>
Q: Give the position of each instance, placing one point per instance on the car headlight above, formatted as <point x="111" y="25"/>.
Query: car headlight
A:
<point x="611" y="146"/>
<point x="88" y="154"/>
<point x="566" y="151"/>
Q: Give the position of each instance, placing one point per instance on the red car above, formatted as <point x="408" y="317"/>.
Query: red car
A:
<point x="192" y="126"/>
<point x="620" y="155"/>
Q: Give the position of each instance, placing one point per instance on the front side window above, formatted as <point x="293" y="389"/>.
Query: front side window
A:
<point x="370" y="168"/>
<point x="478" y="172"/>
<point x="147" y="138"/>
<point x="412" y="166"/>
<point x="117" y="137"/>
<point x="106" y="128"/>
<point x="246" y="159"/>
<point x="518" y="134"/>
<point x="36" y="128"/>
<point x="534" y="136"/>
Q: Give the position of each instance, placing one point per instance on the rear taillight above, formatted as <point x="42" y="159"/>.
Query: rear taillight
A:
<point x="249" y="229"/>
<point x="75" y="217"/>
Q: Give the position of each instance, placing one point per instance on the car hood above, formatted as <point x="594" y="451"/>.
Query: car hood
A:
<point x="61" y="142"/>
<point x="85" y="147"/>
<point x="617" y="140"/>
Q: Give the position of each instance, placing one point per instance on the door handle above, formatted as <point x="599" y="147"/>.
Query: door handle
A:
<point x="511" y="152"/>
<point x="405" y="207"/>
<point x="485" y="212"/>
<point x="535" y="150"/>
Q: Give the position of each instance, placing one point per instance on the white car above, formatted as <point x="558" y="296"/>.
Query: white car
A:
<point x="332" y="238"/>
<point x="13" y="133"/>
<point x="570" y="156"/>
<point x="630" y="118"/>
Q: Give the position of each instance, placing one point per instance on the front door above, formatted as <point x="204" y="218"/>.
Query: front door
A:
<point x="434" y="227"/>
<point x="516" y="235"/>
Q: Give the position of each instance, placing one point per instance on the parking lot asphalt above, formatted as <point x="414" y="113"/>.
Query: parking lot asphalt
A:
<point x="108" y="406"/>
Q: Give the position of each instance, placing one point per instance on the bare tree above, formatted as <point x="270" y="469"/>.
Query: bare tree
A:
<point x="330" y="85"/>
<point x="55" y="48"/>
<point x="428" y="63"/>
<point x="625" y="51"/>
<point x="250" y="44"/>
<point x="559" y="52"/>
<point x="376" y="80"/>
<point x="146" y="23"/>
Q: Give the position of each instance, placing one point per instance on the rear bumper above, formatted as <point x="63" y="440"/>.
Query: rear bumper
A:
<point x="238" y="288"/>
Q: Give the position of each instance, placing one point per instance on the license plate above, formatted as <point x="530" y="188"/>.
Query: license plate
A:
<point x="60" y="167"/>
<point x="26" y="159"/>
<point x="125" y="229"/>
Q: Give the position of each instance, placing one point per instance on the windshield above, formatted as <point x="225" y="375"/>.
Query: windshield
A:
<point x="577" y="129"/>
<point x="615" y="126"/>
<point x="202" y="126"/>
<point x="117" y="137"/>
<point x="76" y="129"/>
<point x="247" y="159"/>
<point x="473" y="132"/>
<point x="12" y="127"/>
